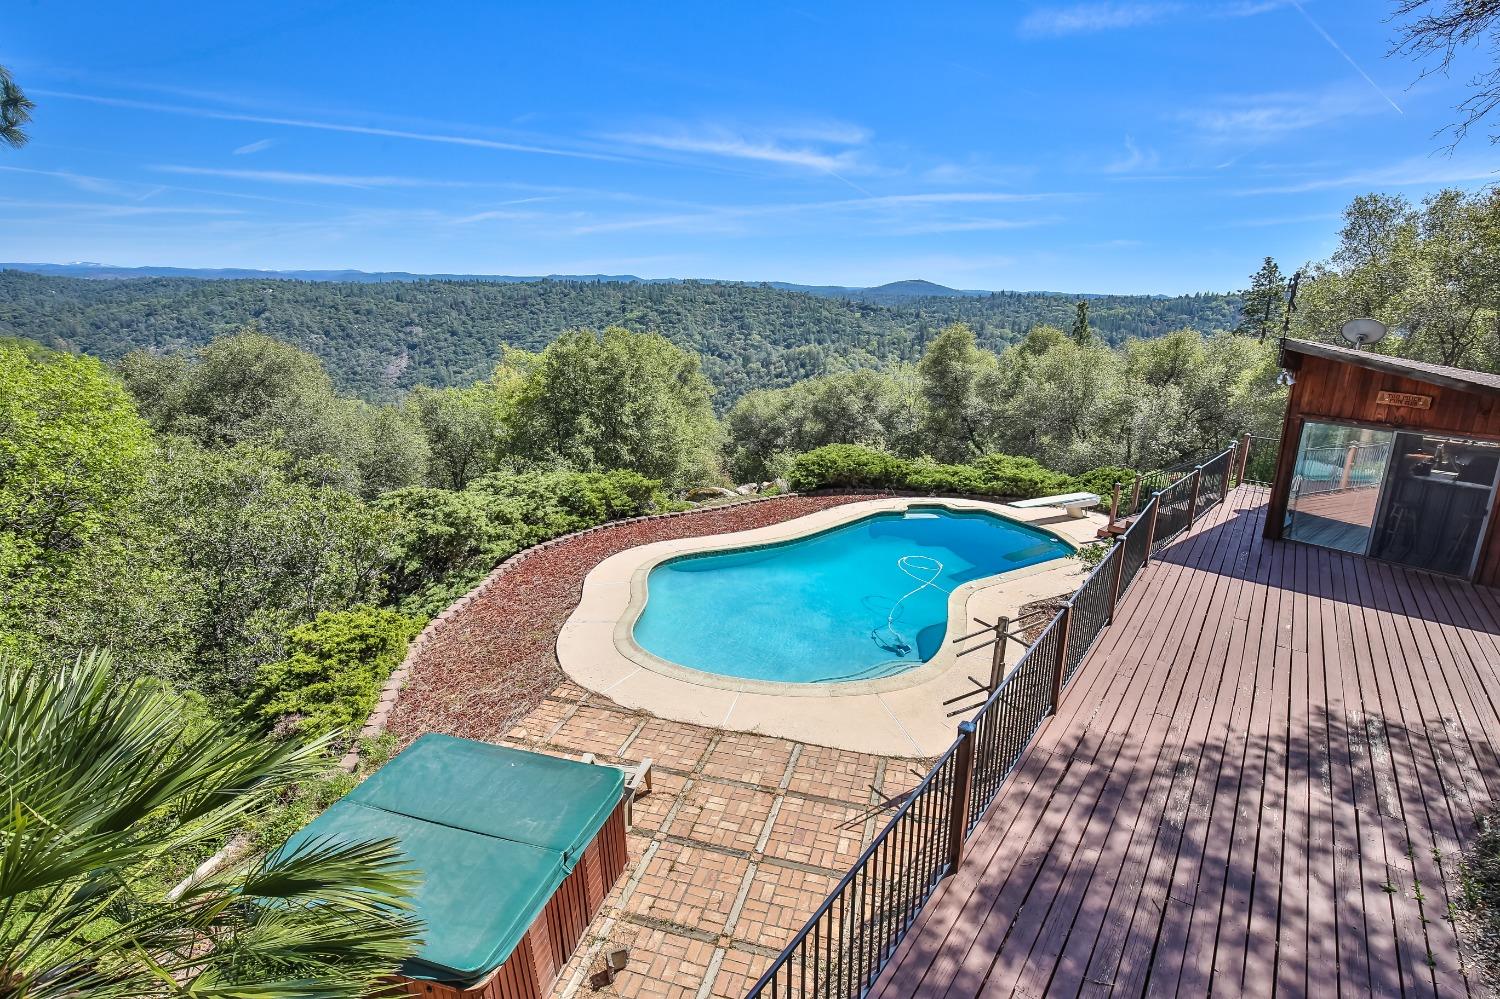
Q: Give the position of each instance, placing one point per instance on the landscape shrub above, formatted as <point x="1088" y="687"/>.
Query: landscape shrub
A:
<point x="1102" y="480"/>
<point x="445" y="541"/>
<point x="1024" y="478"/>
<point x="337" y="664"/>
<point x="851" y="465"/>
<point x="930" y="476"/>
<point x="843" y="465"/>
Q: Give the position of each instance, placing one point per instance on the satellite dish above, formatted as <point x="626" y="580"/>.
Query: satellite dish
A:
<point x="1363" y="331"/>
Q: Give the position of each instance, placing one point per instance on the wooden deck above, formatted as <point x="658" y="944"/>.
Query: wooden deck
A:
<point x="1258" y="784"/>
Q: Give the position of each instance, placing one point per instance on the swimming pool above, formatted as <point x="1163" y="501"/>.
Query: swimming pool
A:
<point x="865" y="600"/>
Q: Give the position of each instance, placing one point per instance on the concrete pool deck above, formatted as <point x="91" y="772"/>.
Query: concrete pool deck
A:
<point x="903" y="715"/>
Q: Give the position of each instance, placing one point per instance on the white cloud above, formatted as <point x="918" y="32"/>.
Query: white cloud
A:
<point x="328" y="126"/>
<point x="1110" y="15"/>
<point x="787" y="147"/>
<point x="1417" y="172"/>
<point x="1258" y="223"/>
<point x="1333" y="43"/>
<point x="117" y="211"/>
<point x="255" y="147"/>
<point x="914" y="212"/>
<point x="320" y="179"/>
<point x="943" y="197"/>
<point x="1087" y="17"/>
<point x="1261" y="117"/>
<point x="972" y="225"/>
<point x="1135" y="158"/>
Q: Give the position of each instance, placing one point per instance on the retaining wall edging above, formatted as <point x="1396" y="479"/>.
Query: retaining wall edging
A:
<point x="376" y="723"/>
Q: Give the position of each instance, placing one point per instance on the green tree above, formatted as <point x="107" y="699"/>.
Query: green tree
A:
<point x="249" y="388"/>
<point x="952" y="372"/>
<point x="15" y="111"/>
<point x="878" y="409"/>
<point x="1057" y="400"/>
<point x="1265" y="301"/>
<point x="73" y="458"/>
<point x="112" y="795"/>
<point x="617" y="400"/>
<point x="1082" y="334"/>
<point x="389" y="449"/>
<point x="380" y="340"/>
<point x="463" y="432"/>
<point x="1431" y="273"/>
<point x="258" y="550"/>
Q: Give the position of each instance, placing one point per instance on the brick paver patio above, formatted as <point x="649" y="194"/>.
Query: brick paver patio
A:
<point x="740" y="840"/>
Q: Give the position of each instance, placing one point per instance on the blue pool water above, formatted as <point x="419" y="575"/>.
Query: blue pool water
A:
<point x="829" y="607"/>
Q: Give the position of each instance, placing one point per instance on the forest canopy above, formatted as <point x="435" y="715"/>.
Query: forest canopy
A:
<point x="377" y="341"/>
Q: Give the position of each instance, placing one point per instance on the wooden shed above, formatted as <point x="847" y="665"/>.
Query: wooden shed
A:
<point x="517" y="851"/>
<point x="1391" y="459"/>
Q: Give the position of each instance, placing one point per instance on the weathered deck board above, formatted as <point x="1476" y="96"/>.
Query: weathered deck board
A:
<point x="1258" y="783"/>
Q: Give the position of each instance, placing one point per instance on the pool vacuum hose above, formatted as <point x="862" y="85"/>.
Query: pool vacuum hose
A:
<point x="912" y="565"/>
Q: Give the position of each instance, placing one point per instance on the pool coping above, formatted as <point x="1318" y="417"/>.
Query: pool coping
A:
<point x="901" y="715"/>
<point x="918" y="673"/>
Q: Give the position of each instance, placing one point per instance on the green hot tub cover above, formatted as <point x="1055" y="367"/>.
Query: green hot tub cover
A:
<point x="493" y="830"/>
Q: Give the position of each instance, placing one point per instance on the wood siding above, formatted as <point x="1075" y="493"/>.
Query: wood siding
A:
<point x="1332" y="391"/>
<point x="540" y="956"/>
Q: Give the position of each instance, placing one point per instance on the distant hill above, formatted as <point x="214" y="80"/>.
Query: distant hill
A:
<point x="896" y="291"/>
<point x="101" y="272"/>
<point x="381" y="337"/>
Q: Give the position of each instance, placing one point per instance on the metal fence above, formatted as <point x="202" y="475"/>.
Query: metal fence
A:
<point x="849" y="939"/>
<point x="1258" y="457"/>
<point x="1135" y="494"/>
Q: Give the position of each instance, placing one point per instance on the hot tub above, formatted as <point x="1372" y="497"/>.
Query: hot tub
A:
<point x="517" y="851"/>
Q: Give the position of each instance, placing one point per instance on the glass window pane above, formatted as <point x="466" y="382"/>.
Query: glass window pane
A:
<point x="1437" y="502"/>
<point x="1335" y="492"/>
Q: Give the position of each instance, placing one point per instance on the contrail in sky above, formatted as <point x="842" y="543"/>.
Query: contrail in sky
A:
<point x="1347" y="57"/>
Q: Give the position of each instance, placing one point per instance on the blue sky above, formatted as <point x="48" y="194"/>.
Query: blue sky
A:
<point x="1102" y="146"/>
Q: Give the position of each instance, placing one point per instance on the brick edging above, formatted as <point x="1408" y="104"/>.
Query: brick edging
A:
<point x="376" y="723"/>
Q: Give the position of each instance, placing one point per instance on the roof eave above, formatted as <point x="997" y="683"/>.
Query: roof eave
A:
<point x="1387" y="365"/>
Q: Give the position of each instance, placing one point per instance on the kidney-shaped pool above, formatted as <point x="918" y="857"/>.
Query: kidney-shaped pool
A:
<point x="865" y="600"/>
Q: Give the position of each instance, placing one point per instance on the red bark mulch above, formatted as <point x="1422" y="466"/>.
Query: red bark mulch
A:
<point x="496" y="660"/>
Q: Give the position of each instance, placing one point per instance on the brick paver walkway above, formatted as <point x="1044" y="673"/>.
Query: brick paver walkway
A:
<point x="740" y="840"/>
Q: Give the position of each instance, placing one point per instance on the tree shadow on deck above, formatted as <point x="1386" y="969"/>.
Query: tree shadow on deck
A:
<point x="1336" y="576"/>
<point x="1301" y="864"/>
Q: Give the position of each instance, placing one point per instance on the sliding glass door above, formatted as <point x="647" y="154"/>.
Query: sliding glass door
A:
<point x="1438" y="498"/>
<point x="1422" y="500"/>
<point x="1336" y="486"/>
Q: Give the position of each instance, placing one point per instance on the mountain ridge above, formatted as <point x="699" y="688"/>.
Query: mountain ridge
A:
<point x="892" y="291"/>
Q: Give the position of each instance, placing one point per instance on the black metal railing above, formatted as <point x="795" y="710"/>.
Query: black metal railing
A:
<point x="1135" y="494"/>
<point x="1005" y="723"/>
<point x="851" y="936"/>
<point x="1258" y="457"/>
<point x="1091" y="608"/>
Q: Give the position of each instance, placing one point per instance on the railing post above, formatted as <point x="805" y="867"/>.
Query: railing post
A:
<point x="1244" y="457"/>
<point x="963" y="788"/>
<point x="1193" y="502"/>
<point x="1114" y="586"/>
<point x="1064" y="626"/>
<point x="997" y="658"/>
<point x="1151" y="527"/>
<point x="1114" y="508"/>
<point x="1135" y="496"/>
